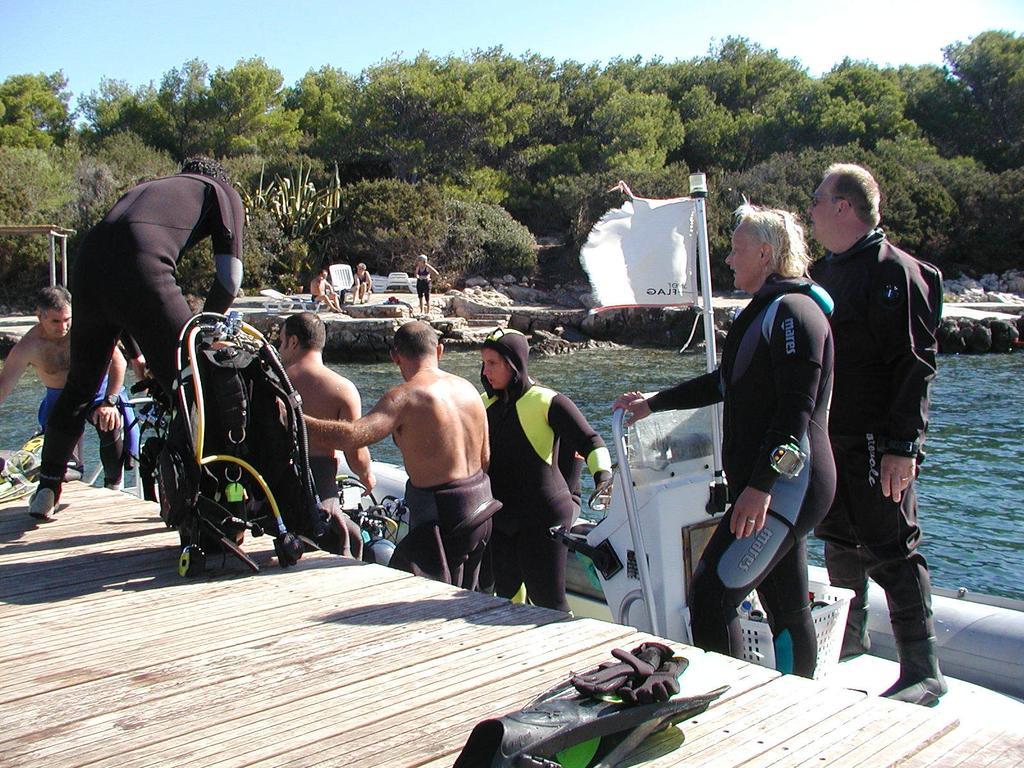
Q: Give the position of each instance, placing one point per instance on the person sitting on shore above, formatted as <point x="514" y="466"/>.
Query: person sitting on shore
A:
<point x="362" y="286"/>
<point x="323" y="292"/>
<point x="325" y="395"/>
<point x="47" y="348"/>
<point x="438" y="422"/>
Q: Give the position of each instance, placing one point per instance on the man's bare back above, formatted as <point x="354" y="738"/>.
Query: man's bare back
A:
<point x="437" y="421"/>
<point x="325" y="394"/>
<point x="441" y="427"/>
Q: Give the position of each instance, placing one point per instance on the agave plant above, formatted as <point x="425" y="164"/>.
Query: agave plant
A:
<point x="298" y="207"/>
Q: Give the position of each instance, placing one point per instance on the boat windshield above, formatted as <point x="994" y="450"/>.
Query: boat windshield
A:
<point x="669" y="437"/>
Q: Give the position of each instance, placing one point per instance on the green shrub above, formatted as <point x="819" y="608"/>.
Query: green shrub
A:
<point x="35" y="188"/>
<point x="386" y="223"/>
<point x="485" y="239"/>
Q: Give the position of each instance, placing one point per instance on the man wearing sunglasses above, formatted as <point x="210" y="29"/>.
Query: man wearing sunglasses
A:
<point x="887" y="309"/>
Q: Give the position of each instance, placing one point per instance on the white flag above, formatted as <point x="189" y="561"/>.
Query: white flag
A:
<point x="644" y="254"/>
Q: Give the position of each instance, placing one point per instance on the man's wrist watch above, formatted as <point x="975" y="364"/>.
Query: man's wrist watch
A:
<point x="901" y="447"/>
<point x="111" y="400"/>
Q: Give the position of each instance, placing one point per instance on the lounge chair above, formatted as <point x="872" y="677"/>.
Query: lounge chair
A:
<point x="341" y="280"/>
<point x="400" y="281"/>
<point x="279" y="302"/>
<point x="379" y="282"/>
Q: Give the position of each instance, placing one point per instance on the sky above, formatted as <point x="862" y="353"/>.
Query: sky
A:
<point x="138" y="41"/>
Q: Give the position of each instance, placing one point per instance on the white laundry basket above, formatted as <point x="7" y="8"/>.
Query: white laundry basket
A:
<point x="830" y="605"/>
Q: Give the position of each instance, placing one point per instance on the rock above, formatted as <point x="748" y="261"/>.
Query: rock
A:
<point x="532" y="319"/>
<point x="980" y="339"/>
<point x="1003" y="336"/>
<point x="466" y="307"/>
<point x="477" y="282"/>
<point x="524" y="295"/>
<point x="948" y="335"/>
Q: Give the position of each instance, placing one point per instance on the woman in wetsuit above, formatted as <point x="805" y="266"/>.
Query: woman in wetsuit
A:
<point x="536" y="436"/>
<point x="776" y="381"/>
<point x="423" y="271"/>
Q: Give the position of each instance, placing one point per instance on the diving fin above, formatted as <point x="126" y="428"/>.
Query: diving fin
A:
<point x="563" y="727"/>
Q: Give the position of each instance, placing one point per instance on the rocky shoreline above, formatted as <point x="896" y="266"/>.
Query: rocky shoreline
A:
<point x="980" y="316"/>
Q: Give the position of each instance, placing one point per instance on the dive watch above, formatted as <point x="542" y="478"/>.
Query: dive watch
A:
<point x="787" y="459"/>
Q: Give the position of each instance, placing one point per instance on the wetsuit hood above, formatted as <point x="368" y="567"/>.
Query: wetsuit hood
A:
<point x="515" y="349"/>
<point x="776" y="285"/>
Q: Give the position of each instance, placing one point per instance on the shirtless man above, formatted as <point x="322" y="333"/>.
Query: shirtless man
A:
<point x="323" y="292"/>
<point x="46" y="347"/>
<point x="438" y="422"/>
<point x="325" y="395"/>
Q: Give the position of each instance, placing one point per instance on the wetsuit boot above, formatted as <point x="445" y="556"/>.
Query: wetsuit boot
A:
<point x="855" y="639"/>
<point x="920" y="681"/>
<point x="43" y="504"/>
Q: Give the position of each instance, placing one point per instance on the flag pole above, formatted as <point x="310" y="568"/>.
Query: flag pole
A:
<point x="699" y="192"/>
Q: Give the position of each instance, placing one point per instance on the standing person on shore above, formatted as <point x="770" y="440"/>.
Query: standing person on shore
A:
<point x="325" y="395"/>
<point x="536" y="435"/>
<point x="46" y="347"/>
<point x="124" y="282"/>
<point x="888" y="306"/>
<point x="438" y="423"/>
<point x="423" y="271"/>
<point x="775" y="380"/>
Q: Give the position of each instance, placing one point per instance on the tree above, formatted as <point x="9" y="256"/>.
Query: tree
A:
<point x="637" y="131"/>
<point x="245" y="112"/>
<point x="34" y="111"/>
<point x="854" y="103"/>
<point x="940" y="107"/>
<point x="384" y="223"/>
<point x="323" y="99"/>
<point x="183" y="103"/>
<point x="991" y="71"/>
<point x="35" y="188"/>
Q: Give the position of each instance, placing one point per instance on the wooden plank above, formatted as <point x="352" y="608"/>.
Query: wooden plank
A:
<point x="216" y="688"/>
<point x="125" y="644"/>
<point x="971" y="747"/>
<point x="237" y="733"/>
<point x="814" y="741"/>
<point x="111" y="658"/>
<point x="221" y="665"/>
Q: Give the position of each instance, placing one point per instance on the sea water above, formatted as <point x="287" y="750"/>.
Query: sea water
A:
<point x="971" y="495"/>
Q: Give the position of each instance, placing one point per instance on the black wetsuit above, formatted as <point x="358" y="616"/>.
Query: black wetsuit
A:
<point x="776" y="391"/>
<point x="449" y="526"/>
<point x="343" y="536"/>
<point x="536" y="435"/>
<point x="124" y="283"/>
<point x="423" y="283"/>
<point x="888" y="306"/>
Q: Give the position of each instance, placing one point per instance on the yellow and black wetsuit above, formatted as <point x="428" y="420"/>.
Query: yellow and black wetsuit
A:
<point x="535" y="434"/>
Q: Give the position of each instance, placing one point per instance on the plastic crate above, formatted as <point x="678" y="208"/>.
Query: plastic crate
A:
<point x="830" y="607"/>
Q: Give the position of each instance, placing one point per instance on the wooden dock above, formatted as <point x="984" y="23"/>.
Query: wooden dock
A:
<point x="109" y="658"/>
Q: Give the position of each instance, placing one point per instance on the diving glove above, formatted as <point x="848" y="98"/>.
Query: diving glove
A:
<point x="646" y="674"/>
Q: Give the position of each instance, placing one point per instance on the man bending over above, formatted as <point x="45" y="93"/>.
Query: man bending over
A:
<point x="46" y="347"/>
